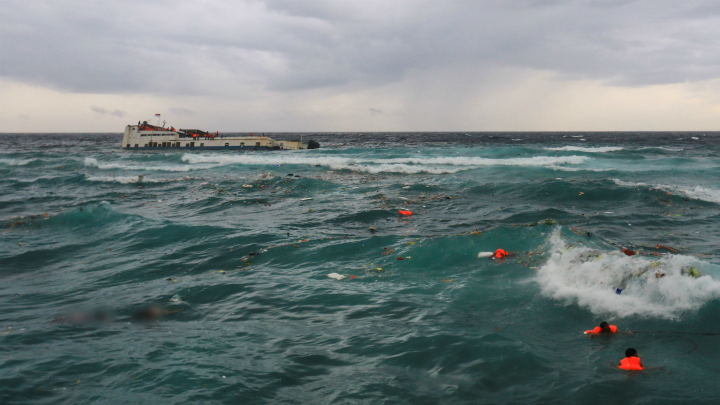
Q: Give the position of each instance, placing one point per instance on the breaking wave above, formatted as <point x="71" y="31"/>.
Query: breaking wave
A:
<point x="599" y="149"/>
<point x="398" y="168"/>
<point x="588" y="278"/>
<point x="338" y="163"/>
<point x="16" y="162"/>
<point x="695" y="192"/>
<point x="125" y="179"/>
<point x="92" y="162"/>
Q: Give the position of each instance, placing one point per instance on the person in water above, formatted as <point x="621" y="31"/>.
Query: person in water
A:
<point x="603" y="328"/>
<point x="154" y="313"/>
<point x="631" y="361"/>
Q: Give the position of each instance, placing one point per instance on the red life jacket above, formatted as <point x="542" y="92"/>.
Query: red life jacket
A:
<point x="631" y="363"/>
<point x="501" y="253"/>
<point x="597" y="329"/>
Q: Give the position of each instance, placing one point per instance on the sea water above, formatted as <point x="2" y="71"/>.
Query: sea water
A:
<point x="236" y="248"/>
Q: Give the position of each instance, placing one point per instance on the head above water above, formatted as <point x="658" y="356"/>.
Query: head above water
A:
<point x="605" y="327"/>
<point x="631" y="352"/>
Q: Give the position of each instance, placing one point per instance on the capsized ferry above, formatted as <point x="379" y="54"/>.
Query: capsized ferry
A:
<point x="146" y="136"/>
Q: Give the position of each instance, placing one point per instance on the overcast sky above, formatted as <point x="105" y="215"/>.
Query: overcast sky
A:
<point x="360" y="65"/>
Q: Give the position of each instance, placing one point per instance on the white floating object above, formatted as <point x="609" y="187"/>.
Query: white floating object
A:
<point x="482" y="255"/>
<point x="336" y="276"/>
<point x="305" y="199"/>
<point x="406" y="187"/>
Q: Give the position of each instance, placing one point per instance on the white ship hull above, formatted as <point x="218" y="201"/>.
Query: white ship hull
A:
<point x="135" y="138"/>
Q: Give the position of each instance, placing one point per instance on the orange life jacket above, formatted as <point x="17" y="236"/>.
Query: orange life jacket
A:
<point x="501" y="253"/>
<point x="631" y="363"/>
<point x="403" y="212"/>
<point x="597" y="329"/>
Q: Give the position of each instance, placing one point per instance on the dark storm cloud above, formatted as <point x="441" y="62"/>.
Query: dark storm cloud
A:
<point x="211" y="47"/>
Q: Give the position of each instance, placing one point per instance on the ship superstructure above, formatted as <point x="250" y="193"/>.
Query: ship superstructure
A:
<point x="145" y="136"/>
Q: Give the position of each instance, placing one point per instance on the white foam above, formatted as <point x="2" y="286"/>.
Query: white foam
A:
<point x="339" y="161"/>
<point x="577" y="169"/>
<point x="92" y="162"/>
<point x="663" y="148"/>
<point x="16" y="162"/>
<point x="574" y="275"/>
<point x="695" y="192"/>
<point x="37" y="179"/>
<point x="600" y="149"/>
<point x="124" y="179"/>
<point x="398" y="168"/>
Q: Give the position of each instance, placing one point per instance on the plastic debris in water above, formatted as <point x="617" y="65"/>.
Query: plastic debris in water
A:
<point x="618" y="290"/>
<point x="336" y="276"/>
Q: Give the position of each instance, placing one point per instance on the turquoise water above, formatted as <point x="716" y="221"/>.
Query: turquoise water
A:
<point x="235" y="253"/>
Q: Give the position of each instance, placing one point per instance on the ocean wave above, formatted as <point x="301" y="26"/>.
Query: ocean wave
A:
<point x="92" y="162"/>
<point x="125" y="179"/>
<point x="252" y="159"/>
<point x="398" y="168"/>
<point x="577" y="169"/>
<point x="33" y="180"/>
<point x="663" y="148"/>
<point x="589" y="277"/>
<point x="599" y="149"/>
<point x="16" y="162"/>
<point x="695" y="192"/>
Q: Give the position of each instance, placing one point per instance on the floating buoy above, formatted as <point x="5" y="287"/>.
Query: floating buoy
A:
<point x="403" y="212"/>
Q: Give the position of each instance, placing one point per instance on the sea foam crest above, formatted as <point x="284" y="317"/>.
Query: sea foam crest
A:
<point x="599" y="149"/>
<point x="92" y="162"/>
<point x="124" y="179"/>
<point x="16" y="162"/>
<point x="695" y="192"/>
<point x="424" y="164"/>
<point x="588" y="278"/>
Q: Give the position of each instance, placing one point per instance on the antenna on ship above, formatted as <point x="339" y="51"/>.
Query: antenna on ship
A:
<point x="158" y="118"/>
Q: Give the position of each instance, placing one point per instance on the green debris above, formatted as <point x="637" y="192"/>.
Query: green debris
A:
<point x="693" y="272"/>
<point x="549" y="221"/>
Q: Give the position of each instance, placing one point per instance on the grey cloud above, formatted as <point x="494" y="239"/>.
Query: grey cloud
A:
<point x="375" y="111"/>
<point x="187" y="47"/>
<point x="102" y="111"/>
<point x="181" y="111"/>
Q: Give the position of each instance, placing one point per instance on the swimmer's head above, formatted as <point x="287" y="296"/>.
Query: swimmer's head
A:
<point x="605" y="327"/>
<point x="631" y="352"/>
<point x="149" y="314"/>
